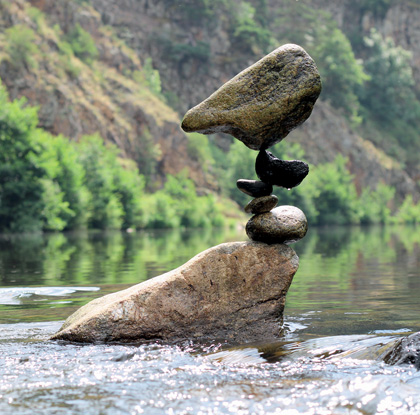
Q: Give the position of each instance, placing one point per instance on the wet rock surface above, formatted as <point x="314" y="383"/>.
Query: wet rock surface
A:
<point x="405" y="351"/>
<point x="254" y="188"/>
<point x="234" y="291"/>
<point x="263" y="103"/>
<point x="284" y="224"/>
<point x="283" y="173"/>
<point x="261" y="204"/>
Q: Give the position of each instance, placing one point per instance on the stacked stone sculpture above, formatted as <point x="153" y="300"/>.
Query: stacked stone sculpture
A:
<point x="237" y="290"/>
<point x="259" y="107"/>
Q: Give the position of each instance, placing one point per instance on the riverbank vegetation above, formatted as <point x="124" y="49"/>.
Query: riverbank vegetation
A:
<point x="51" y="183"/>
<point x="56" y="183"/>
<point x="328" y="195"/>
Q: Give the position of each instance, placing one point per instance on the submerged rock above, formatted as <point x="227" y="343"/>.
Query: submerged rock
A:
<point x="283" y="173"/>
<point x="234" y="291"/>
<point x="254" y="188"/>
<point x="261" y="204"/>
<point x="284" y="224"/>
<point x="263" y="103"/>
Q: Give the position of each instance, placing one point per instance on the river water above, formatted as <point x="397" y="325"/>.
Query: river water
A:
<point x="356" y="292"/>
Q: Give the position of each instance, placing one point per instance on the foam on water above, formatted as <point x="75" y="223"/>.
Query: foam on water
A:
<point x="61" y="378"/>
<point x="15" y="295"/>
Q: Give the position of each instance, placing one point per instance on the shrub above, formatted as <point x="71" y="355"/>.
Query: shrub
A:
<point x="21" y="47"/>
<point x="82" y="44"/>
<point x="199" y="149"/>
<point x="335" y="196"/>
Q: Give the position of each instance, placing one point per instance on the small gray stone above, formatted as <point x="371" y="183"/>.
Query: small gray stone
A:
<point x="284" y="224"/>
<point x="263" y="103"/>
<point x="254" y="188"/>
<point x="261" y="204"/>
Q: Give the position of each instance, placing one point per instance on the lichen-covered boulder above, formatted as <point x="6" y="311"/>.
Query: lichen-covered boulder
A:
<point x="284" y="224"/>
<point x="263" y="103"/>
<point x="234" y="291"/>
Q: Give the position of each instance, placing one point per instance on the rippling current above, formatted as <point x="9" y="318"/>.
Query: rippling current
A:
<point x="356" y="292"/>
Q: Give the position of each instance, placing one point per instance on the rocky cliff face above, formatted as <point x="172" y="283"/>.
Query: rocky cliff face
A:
<point x="108" y="97"/>
<point x="400" y="21"/>
<point x="194" y="55"/>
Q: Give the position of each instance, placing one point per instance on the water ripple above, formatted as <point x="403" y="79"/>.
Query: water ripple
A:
<point x="15" y="295"/>
<point x="308" y="378"/>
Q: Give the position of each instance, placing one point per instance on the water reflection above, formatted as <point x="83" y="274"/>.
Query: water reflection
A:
<point x="365" y="279"/>
<point x="99" y="257"/>
<point x="356" y="292"/>
<point x="356" y="280"/>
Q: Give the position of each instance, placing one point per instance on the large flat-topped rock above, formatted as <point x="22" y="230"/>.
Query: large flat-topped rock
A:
<point x="234" y="291"/>
<point x="263" y="103"/>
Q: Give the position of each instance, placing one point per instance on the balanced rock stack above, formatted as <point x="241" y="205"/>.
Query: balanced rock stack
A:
<point x="284" y="224"/>
<point x="235" y="291"/>
<point x="259" y="107"/>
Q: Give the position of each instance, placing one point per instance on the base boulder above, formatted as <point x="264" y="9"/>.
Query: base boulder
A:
<point x="234" y="291"/>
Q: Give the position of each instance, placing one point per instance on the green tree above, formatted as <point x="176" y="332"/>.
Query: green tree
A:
<point x="100" y="163"/>
<point x="60" y="160"/>
<point x="247" y="30"/>
<point x="240" y="164"/>
<point x="20" y="175"/>
<point x="130" y="186"/>
<point x="341" y="72"/>
<point x="389" y="93"/>
<point x="375" y="204"/>
<point x="315" y="30"/>
<point x="335" y="195"/>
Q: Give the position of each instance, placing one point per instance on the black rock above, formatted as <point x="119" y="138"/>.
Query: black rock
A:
<point x="405" y="351"/>
<point x="283" y="173"/>
<point x="254" y="188"/>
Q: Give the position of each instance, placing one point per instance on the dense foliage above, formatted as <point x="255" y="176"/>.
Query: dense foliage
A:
<point x="51" y="183"/>
<point x="327" y="196"/>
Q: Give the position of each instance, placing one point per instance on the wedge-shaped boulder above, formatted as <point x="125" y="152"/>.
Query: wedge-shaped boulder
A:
<point x="263" y="103"/>
<point x="234" y="291"/>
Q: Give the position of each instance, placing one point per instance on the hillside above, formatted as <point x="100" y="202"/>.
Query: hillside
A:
<point x="130" y="69"/>
<point x="85" y="80"/>
<point x="196" y="49"/>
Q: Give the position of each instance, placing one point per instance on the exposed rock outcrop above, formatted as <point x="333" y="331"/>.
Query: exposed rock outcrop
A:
<point x="234" y="291"/>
